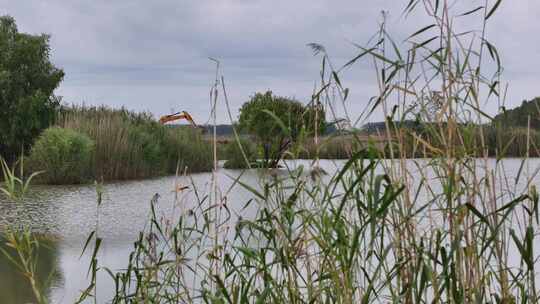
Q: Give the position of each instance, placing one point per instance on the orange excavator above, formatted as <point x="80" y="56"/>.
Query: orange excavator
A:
<point x="178" y="116"/>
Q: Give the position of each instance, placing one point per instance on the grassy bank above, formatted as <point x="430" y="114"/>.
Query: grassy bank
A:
<point x="474" y="140"/>
<point x="330" y="147"/>
<point x="482" y="140"/>
<point x="123" y="145"/>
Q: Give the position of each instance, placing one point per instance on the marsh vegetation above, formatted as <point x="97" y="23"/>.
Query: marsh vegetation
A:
<point x="455" y="227"/>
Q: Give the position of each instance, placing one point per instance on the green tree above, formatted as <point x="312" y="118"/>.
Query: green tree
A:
<point x="277" y="122"/>
<point x="27" y="82"/>
<point x="527" y="112"/>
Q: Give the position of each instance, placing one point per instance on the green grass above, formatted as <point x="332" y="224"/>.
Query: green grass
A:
<point x="32" y="265"/>
<point x="14" y="185"/>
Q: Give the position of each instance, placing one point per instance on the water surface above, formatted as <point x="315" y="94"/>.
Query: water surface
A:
<point x="66" y="215"/>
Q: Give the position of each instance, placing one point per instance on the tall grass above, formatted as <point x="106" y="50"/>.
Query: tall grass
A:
<point x="132" y="145"/>
<point x="333" y="147"/>
<point x="232" y="152"/>
<point x="15" y="184"/>
<point x="513" y="142"/>
<point x="476" y="139"/>
<point x="451" y="228"/>
<point x="498" y="142"/>
<point x="33" y="265"/>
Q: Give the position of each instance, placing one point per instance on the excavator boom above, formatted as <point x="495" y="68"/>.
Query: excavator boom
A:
<point x="178" y="116"/>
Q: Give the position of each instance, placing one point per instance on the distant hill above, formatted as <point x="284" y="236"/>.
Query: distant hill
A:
<point x="518" y="117"/>
<point x="380" y="126"/>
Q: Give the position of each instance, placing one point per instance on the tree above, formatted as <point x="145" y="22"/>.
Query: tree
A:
<point x="278" y="121"/>
<point x="528" y="112"/>
<point x="27" y="82"/>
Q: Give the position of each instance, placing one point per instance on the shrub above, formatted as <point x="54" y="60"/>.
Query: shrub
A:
<point x="64" y="155"/>
<point x="277" y="121"/>
<point x="235" y="158"/>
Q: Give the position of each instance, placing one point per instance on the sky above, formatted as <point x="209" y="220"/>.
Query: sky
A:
<point x="153" y="55"/>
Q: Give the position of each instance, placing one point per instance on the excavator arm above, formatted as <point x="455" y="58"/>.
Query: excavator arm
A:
<point x="178" y="116"/>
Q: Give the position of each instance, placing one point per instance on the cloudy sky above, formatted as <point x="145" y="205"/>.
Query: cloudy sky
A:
<point x="153" y="55"/>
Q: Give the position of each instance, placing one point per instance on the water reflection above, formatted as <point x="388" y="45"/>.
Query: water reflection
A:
<point x="15" y="287"/>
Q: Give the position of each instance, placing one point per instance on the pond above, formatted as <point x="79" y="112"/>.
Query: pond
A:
<point x="66" y="215"/>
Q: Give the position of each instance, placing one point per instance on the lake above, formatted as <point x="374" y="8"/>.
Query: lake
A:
<point x="66" y="215"/>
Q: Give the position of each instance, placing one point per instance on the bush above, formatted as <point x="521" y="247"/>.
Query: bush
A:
<point x="277" y="121"/>
<point x="64" y="154"/>
<point x="235" y="158"/>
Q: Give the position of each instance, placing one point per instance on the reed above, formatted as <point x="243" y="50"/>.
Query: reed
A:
<point x="132" y="145"/>
<point x="444" y="229"/>
<point x="32" y="263"/>
<point x="328" y="147"/>
<point x="232" y="152"/>
<point x="15" y="184"/>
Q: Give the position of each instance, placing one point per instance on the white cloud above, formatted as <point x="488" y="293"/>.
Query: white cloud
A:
<point x="152" y="55"/>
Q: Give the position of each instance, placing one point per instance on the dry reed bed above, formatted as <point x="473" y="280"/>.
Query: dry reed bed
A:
<point x="133" y="145"/>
